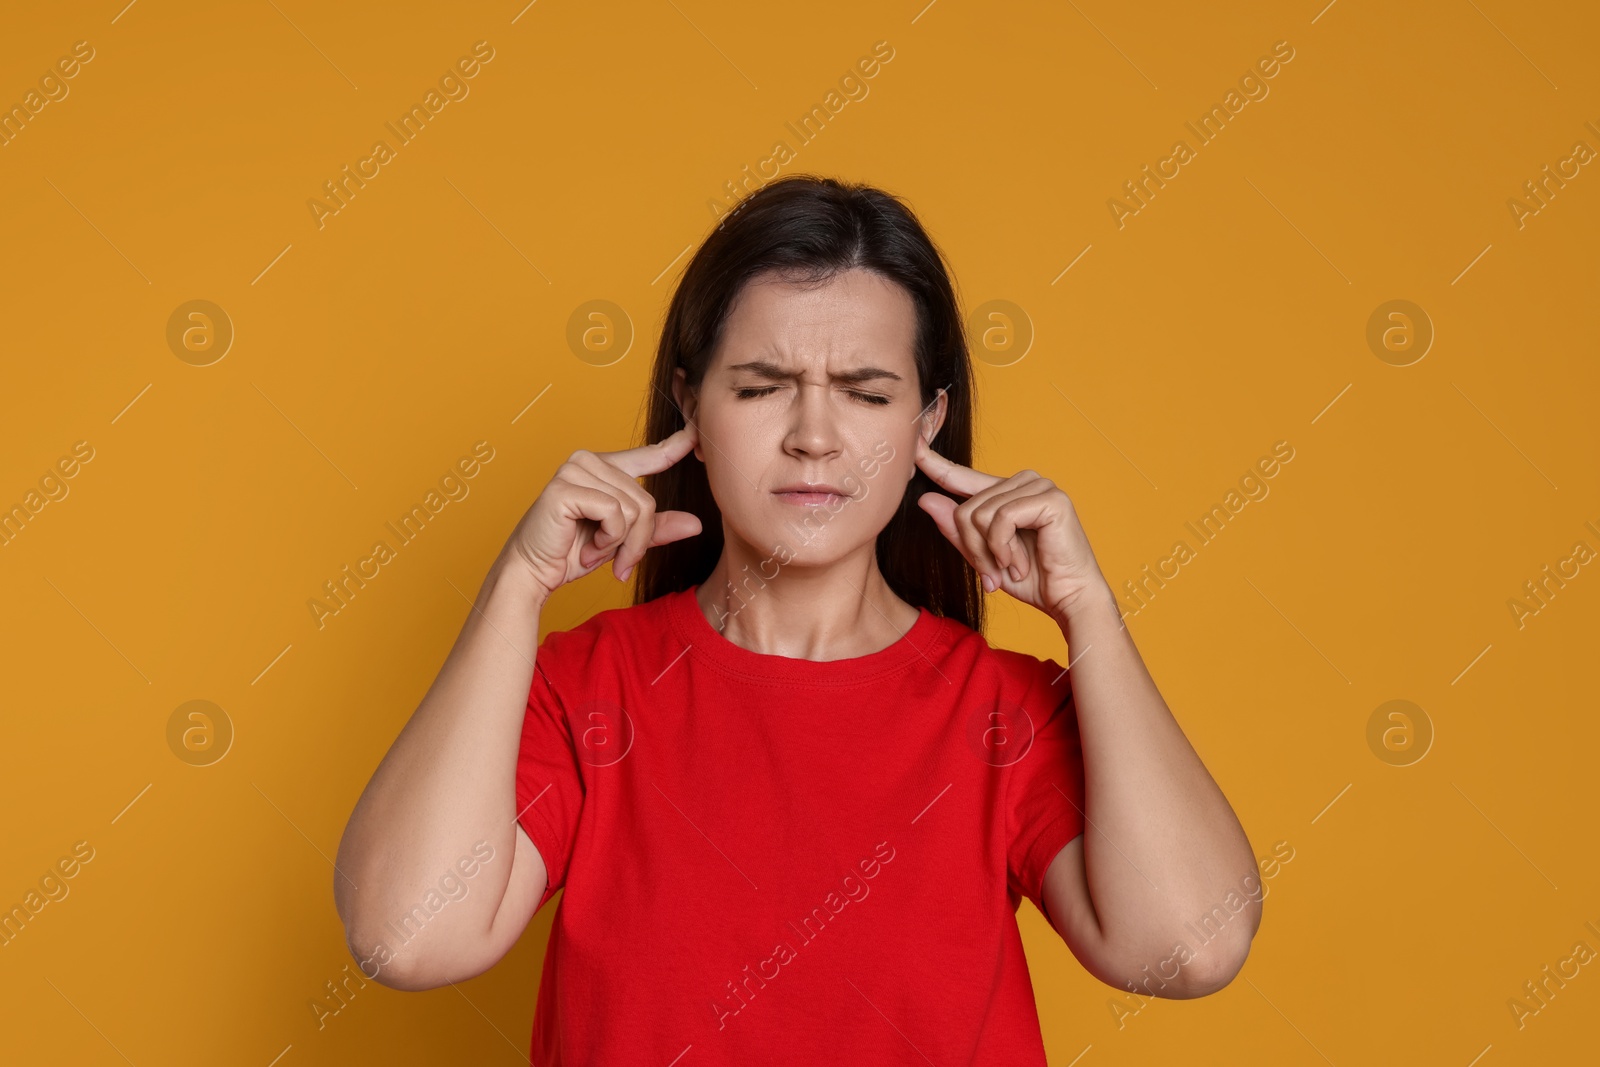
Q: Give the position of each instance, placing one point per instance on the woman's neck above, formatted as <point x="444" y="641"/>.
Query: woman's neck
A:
<point x="841" y="610"/>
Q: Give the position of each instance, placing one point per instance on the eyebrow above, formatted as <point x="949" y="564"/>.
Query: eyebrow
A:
<point x="764" y="368"/>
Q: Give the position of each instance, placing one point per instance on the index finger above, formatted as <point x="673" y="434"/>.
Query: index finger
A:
<point x="950" y="475"/>
<point x="653" y="458"/>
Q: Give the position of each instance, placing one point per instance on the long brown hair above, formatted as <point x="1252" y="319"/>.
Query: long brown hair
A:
<point x="811" y="228"/>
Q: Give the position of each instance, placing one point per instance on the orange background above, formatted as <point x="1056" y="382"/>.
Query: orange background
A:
<point x="1229" y="313"/>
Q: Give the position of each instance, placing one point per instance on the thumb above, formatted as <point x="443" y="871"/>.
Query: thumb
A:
<point x="943" y="511"/>
<point x="674" y="526"/>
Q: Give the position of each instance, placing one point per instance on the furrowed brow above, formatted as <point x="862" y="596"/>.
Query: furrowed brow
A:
<point x="763" y="368"/>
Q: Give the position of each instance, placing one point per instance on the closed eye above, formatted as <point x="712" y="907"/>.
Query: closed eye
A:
<point x="751" y="392"/>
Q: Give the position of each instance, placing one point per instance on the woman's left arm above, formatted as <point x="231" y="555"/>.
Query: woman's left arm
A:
<point x="1162" y="854"/>
<point x="1162" y="851"/>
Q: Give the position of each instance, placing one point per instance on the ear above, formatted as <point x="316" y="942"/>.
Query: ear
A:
<point x="932" y="417"/>
<point x="688" y="403"/>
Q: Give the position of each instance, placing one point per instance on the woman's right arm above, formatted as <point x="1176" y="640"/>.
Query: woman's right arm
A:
<point x="448" y="782"/>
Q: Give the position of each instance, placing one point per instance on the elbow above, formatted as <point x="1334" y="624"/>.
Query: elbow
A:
<point x="1184" y="973"/>
<point x="375" y="952"/>
<point x="1217" y="962"/>
<point x="416" y="963"/>
<point x="382" y="964"/>
<point x="407" y="978"/>
<point x="1216" y="965"/>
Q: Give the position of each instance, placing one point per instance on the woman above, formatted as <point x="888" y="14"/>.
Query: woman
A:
<point x="793" y="794"/>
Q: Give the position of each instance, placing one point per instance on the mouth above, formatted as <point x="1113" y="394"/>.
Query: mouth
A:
<point x="811" y="495"/>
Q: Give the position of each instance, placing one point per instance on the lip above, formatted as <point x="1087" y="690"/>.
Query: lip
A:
<point x="811" y="487"/>
<point x="810" y="495"/>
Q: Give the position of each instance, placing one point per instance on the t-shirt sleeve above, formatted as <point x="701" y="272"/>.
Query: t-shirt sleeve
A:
<point x="1045" y="788"/>
<point x="549" y="782"/>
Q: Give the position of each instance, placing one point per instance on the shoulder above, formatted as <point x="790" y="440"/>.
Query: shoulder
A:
<point x="1037" y="682"/>
<point x="611" y="634"/>
<point x="1042" y="682"/>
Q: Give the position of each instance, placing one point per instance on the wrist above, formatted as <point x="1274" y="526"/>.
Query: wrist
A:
<point x="1091" y="598"/>
<point x="516" y="579"/>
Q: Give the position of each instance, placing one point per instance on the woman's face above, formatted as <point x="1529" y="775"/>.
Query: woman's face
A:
<point x="811" y="385"/>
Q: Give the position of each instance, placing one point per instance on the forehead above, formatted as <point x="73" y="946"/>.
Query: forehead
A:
<point x="853" y="315"/>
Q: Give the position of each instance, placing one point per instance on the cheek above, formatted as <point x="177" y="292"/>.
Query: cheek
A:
<point x="734" y="446"/>
<point x="888" y="459"/>
<point x="884" y="466"/>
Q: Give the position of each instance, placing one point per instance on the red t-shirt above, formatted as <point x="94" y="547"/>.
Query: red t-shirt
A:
<point x="785" y="861"/>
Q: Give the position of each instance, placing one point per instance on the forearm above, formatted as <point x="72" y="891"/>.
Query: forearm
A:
<point x="446" y="783"/>
<point x="1162" y="846"/>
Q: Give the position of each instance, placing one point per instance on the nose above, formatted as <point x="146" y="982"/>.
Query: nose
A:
<point x="813" y="431"/>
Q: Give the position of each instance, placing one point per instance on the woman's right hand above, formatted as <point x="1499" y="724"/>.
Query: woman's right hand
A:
<point x="592" y="510"/>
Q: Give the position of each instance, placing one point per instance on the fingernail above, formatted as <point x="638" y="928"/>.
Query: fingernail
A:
<point x="988" y="584"/>
<point x="1016" y="575"/>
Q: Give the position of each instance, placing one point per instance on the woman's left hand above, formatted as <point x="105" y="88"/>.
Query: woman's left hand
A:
<point x="1022" y="532"/>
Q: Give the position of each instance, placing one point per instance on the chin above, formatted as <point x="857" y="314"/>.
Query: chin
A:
<point x="795" y="542"/>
